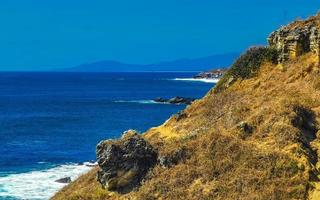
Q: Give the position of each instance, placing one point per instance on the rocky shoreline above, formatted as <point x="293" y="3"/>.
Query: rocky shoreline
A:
<point x="175" y="100"/>
<point x="212" y="74"/>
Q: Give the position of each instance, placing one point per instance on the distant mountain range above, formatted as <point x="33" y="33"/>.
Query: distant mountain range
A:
<point x="198" y="64"/>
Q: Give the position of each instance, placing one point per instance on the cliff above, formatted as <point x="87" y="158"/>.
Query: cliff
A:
<point x="297" y="38"/>
<point x="256" y="135"/>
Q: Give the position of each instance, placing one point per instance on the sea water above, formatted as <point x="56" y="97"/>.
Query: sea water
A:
<point x="50" y="123"/>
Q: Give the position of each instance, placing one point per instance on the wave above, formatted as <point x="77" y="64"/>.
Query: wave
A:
<point x="140" y="101"/>
<point x="215" y="80"/>
<point x="39" y="185"/>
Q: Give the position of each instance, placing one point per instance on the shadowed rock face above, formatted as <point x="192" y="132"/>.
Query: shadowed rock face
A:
<point x="173" y="159"/>
<point x="124" y="163"/>
<point x="292" y="41"/>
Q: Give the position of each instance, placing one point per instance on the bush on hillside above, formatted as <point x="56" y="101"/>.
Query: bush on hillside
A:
<point x="247" y="65"/>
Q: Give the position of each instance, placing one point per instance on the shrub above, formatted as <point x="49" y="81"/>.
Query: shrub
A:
<point x="247" y="65"/>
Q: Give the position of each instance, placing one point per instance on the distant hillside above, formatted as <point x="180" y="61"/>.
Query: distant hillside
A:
<point x="198" y="64"/>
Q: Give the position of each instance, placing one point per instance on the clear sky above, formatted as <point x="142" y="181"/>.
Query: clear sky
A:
<point x="45" y="34"/>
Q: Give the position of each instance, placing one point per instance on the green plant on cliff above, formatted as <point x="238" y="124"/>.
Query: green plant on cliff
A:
<point x="247" y="65"/>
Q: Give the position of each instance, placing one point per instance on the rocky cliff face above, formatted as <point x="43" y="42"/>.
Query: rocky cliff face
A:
<point x="296" y="39"/>
<point x="124" y="163"/>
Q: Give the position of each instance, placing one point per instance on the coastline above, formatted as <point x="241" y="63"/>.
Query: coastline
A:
<point x="41" y="181"/>
<point x="42" y="184"/>
<point x="205" y="80"/>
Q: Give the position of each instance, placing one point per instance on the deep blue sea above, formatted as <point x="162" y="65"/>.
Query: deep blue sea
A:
<point x="50" y="123"/>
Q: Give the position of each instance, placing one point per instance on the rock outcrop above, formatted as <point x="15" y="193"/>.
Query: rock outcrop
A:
<point x="124" y="163"/>
<point x="173" y="159"/>
<point x="213" y="74"/>
<point x="64" y="180"/>
<point x="175" y="100"/>
<point x="296" y="39"/>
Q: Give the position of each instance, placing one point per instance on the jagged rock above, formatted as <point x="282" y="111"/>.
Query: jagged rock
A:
<point x="175" y="100"/>
<point x="218" y="73"/>
<point x="64" y="180"/>
<point x="181" y="100"/>
<point x="245" y="129"/>
<point x="129" y="133"/>
<point x="172" y="159"/>
<point x="91" y="163"/>
<point x="292" y="41"/>
<point x="180" y="115"/>
<point x="160" y="100"/>
<point x="124" y="163"/>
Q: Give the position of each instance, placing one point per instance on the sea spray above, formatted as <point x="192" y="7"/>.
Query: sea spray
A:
<point x="39" y="185"/>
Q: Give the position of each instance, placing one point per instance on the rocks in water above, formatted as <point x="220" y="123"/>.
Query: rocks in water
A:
<point x="173" y="159"/>
<point x="213" y="74"/>
<point x="161" y="100"/>
<point x="175" y="100"/>
<point x="124" y="163"/>
<point x="64" y="180"/>
<point x="181" y="100"/>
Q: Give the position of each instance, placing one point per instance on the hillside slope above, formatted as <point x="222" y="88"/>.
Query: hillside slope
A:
<point x="254" y="136"/>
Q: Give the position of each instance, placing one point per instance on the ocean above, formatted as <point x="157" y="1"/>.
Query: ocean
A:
<point x="50" y="123"/>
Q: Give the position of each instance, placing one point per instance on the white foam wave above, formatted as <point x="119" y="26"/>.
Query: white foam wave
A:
<point x="140" y="101"/>
<point x="214" y="80"/>
<point x="38" y="185"/>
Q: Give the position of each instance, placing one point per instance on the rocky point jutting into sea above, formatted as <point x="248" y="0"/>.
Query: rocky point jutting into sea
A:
<point x="255" y="135"/>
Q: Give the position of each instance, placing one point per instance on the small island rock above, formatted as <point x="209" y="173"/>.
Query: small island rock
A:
<point x="176" y="100"/>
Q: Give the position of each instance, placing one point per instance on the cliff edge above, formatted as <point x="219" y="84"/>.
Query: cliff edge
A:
<point x="255" y="135"/>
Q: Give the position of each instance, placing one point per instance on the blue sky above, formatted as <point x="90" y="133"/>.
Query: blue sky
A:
<point x="46" y="34"/>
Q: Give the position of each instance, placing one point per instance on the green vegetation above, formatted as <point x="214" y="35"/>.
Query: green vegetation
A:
<point x="247" y="65"/>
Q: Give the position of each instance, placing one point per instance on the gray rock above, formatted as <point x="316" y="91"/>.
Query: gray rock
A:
<point x="173" y="159"/>
<point x="181" y="115"/>
<point x="64" y="180"/>
<point x="213" y="74"/>
<point x="245" y="129"/>
<point x="292" y="41"/>
<point x="124" y="163"/>
<point x="160" y="100"/>
<point x="181" y="100"/>
<point x="176" y="100"/>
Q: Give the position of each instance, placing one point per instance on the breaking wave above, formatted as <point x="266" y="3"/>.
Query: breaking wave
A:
<point x="39" y="185"/>
<point x="199" y="80"/>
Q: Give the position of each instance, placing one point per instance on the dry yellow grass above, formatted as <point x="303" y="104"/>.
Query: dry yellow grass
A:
<point x="277" y="159"/>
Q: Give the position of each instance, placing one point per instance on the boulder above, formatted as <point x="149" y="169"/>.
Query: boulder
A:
<point x="213" y="74"/>
<point x="161" y="100"/>
<point x="124" y="163"/>
<point x="180" y="115"/>
<point x="64" y="180"/>
<point x="181" y="100"/>
<point x="245" y="129"/>
<point x="173" y="159"/>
